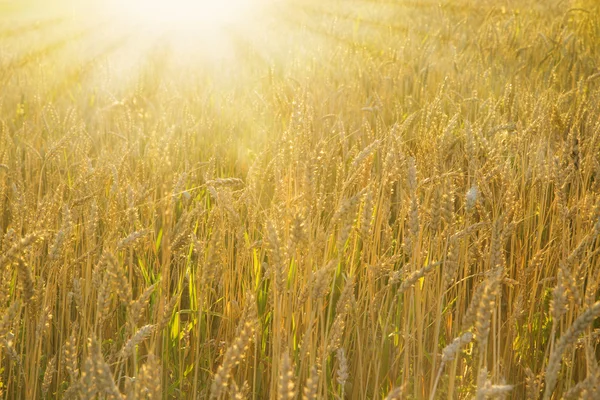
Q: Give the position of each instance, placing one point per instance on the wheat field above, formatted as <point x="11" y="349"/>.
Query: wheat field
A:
<point x="359" y="199"/>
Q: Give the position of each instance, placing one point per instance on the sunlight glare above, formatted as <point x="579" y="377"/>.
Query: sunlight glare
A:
<point x="183" y="14"/>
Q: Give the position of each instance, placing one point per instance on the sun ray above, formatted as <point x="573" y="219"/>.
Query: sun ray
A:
<point x="180" y="14"/>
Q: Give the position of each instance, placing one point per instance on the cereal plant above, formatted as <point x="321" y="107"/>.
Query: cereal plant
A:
<point x="300" y="199"/>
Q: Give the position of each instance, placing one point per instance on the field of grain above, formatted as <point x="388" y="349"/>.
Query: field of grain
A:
<point x="359" y="199"/>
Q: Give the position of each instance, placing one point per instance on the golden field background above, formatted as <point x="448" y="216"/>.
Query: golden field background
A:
<point x="340" y="199"/>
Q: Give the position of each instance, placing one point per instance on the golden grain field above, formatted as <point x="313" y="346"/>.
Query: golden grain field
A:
<point x="359" y="199"/>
